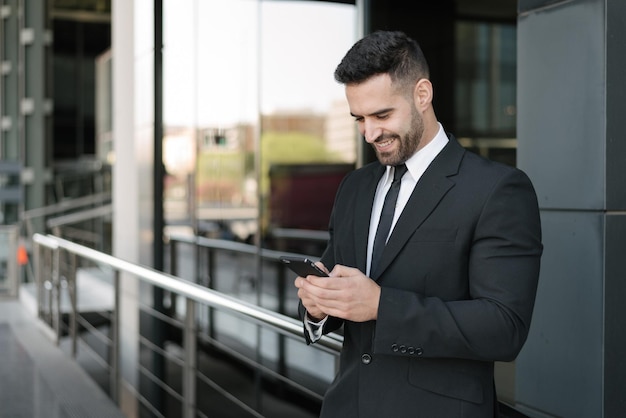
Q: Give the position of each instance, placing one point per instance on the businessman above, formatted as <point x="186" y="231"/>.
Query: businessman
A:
<point x="433" y="254"/>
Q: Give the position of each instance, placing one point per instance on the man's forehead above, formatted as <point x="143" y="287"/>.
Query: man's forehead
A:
<point x="373" y="96"/>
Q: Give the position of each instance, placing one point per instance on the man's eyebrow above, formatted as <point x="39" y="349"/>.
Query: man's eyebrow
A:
<point x="378" y="112"/>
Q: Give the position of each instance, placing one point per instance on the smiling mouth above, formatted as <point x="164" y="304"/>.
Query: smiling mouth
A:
<point x="384" y="142"/>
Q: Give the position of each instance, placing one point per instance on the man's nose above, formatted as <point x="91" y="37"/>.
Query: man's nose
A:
<point x="371" y="131"/>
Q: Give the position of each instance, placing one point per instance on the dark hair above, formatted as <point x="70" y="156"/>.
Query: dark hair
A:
<point x="383" y="52"/>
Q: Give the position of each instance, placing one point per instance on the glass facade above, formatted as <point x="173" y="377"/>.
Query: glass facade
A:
<point x="485" y="88"/>
<point x="257" y="136"/>
<point x="250" y="109"/>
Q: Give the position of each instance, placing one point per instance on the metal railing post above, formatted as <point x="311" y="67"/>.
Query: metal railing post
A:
<point x="38" y="269"/>
<point x="282" y="343"/>
<point x="115" y="381"/>
<point x="72" y="287"/>
<point x="211" y="284"/>
<point x="189" y="370"/>
<point x="55" y="306"/>
<point x="47" y="288"/>
<point x="173" y="257"/>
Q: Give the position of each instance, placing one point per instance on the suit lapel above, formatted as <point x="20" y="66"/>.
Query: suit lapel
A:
<point x="428" y="192"/>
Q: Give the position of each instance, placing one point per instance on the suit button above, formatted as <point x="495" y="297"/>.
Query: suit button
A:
<point x="411" y="350"/>
<point x="366" y="359"/>
<point x="403" y="349"/>
<point x="419" y="351"/>
<point x="394" y="348"/>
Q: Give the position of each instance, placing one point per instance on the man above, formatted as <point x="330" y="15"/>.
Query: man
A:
<point x="454" y="288"/>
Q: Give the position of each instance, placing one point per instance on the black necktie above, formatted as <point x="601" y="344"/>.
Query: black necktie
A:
<point x="386" y="217"/>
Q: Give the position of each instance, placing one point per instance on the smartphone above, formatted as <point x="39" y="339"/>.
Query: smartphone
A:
<point x="302" y="266"/>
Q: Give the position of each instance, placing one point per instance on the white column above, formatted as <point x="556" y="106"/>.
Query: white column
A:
<point x="126" y="193"/>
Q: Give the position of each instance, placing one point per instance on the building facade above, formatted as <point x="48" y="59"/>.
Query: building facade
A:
<point x="189" y="104"/>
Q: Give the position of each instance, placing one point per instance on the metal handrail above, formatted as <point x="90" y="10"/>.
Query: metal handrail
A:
<point x="27" y="217"/>
<point x="284" y="324"/>
<point x="193" y="294"/>
<point x="65" y="205"/>
<point x="60" y="218"/>
<point x="220" y="244"/>
<point x="84" y="215"/>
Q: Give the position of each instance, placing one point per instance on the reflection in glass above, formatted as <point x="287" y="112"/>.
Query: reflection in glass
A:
<point x="485" y="88"/>
<point x="210" y="114"/>
<point x="248" y="92"/>
<point x="308" y="141"/>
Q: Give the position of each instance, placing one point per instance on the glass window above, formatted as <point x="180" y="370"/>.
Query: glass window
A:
<point x="257" y="131"/>
<point x="485" y="92"/>
<point x="308" y="141"/>
<point x="210" y="115"/>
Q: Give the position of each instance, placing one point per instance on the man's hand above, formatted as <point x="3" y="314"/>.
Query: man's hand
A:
<point x="347" y="294"/>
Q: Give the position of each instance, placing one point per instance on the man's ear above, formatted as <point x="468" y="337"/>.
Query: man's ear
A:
<point x="423" y="94"/>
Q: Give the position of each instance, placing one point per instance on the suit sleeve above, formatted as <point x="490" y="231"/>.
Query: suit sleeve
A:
<point x="503" y="268"/>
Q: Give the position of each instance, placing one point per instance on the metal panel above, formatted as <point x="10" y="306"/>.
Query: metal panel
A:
<point x="34" y="84"/>
<point x="571" y="93"/>
<point x="615" y="317"/>
<point x="616" y="97"/>
<point x="9" y="81"/>
<point x="11" y="194"/>
<point x="561" y="104"/>
<point x="559" y="371"/>
<point x="10" y="188"/>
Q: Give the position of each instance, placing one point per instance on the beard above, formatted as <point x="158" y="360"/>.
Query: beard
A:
<point x="409" y="142"/>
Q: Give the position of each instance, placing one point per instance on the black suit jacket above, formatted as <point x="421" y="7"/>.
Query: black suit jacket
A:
<point x="458" y="279"/>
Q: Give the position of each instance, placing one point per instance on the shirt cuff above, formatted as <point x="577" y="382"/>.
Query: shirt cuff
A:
<point x="314" y="328"/>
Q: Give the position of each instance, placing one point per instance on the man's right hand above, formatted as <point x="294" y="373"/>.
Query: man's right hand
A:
<point x="314" y="313"/>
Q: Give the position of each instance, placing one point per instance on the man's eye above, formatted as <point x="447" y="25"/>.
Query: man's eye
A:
<point x="383" y="116"/>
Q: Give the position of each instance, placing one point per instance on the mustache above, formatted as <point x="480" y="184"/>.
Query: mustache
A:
<point x="385" y="137"/>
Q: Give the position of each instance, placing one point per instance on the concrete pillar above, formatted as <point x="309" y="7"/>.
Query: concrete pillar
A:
<point x="570" y="103"/>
